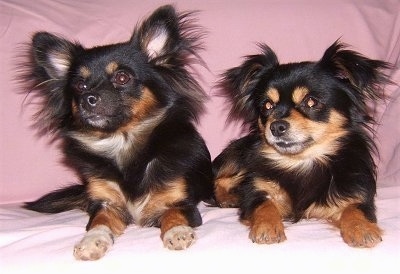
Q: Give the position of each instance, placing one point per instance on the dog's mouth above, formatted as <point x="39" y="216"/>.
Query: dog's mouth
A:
<point x="96" y="120"/>
<point x="291" y="147"/>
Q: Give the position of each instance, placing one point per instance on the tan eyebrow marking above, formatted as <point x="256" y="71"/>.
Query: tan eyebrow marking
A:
<point x="298" y="94"/>
<point x="111" y="67"/>
<point x="84" y="72"/>
<point x="273" y="95"/>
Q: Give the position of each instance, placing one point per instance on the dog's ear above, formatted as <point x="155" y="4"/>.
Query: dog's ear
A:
<point x="52" y="55"/>
<point x="366" y="76"/>
<point x="165" y="35"/>
<point x="239" y="84"/>
<point x="50" y="59"/>
<point x="171" y="42"/>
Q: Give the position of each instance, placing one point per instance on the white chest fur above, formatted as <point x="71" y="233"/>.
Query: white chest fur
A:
<point x="118" y="146"/>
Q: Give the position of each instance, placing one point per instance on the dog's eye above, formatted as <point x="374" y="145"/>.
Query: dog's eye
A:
<point x="311" y="102"/>
<point x="81" y="86"/>
<point x="122" y="78"/>
<point x="268" y="105"/>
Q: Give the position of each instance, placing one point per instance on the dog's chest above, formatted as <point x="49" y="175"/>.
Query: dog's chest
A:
<point x="119" y="147"/>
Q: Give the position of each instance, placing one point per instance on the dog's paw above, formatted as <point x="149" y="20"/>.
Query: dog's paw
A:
<point x="179" y="237"/>
<point x="267" y="233"/>
<point x="361" y="234"/>
<point x="94" y="244"/>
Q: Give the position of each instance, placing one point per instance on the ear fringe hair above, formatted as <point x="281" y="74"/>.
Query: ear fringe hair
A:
<point x="238" y="84"/>
<point x="364" y="81"/>
<point x="41" y="90"/>
<point x="177" y="63"/>
<point x="182" y="61"/>
<point x="368" y="77"/>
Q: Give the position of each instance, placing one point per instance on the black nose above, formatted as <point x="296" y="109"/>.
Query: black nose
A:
<point x="278" y="128"/>
<point x="89" y="100"/>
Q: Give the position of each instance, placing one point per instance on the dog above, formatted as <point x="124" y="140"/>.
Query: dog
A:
<point x="308" y="152"/>
<point x="126" y="115"/>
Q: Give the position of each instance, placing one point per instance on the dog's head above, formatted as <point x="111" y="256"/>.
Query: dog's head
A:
<point x="108" y="88"/>
<point x="303" y="109"/>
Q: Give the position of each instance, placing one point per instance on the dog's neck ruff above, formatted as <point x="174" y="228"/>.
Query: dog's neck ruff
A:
<point x="120" y="146"/>
<point x="301" y="163"/>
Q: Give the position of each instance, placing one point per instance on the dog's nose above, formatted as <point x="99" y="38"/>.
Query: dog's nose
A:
<point x="89" y="100"/>
<point x="278" y="128"/>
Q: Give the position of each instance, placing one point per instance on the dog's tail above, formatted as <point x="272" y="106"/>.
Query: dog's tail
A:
<point x="64" y="199"/>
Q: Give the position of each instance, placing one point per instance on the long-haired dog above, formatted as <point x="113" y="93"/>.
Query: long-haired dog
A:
<point x="309" y="153"/>
<point x="126" y="114"/>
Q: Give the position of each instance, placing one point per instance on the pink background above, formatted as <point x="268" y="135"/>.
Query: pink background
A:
<point x="296" y="30"/>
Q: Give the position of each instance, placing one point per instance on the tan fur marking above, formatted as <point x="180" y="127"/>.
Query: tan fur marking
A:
<point x="227" y="178"/>
<point x="85" y="72"/>
<point x="332" y="211"/>
<point x="162" y="200"/>
<point x="273" y="95"/>
<point x="228" y="169"/>
<point x="141" y="109"/>
<point x="75" y="111"/>
<point x="99" y="189"/>
<point x="325" y="136"/>
<point x="110" y="218"/>
<point x="277" y="195"/>
<point x="223" y="194"/>
<point x="111" y="67"/>
<point x="356" y="230"/>
<point x="145" y="105"/>
<point x="299" y="94"/>
<point x="266" y="225"/>
<point x="111" y="194"/>
<point x="172" y="218"/>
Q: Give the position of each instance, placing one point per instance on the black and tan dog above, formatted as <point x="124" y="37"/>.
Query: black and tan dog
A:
<point x="309" y="150"/>
<point x="126" y="114"/>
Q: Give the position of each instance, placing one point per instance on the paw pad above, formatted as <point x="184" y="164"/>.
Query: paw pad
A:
<point x="179" y="237"/>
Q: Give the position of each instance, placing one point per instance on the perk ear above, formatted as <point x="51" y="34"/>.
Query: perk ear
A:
<point x="364" y="74"/>
<point x="166" y="34"/>
<point x="158" y="33"/>
<point x="52" y="54"/>
<point x="45" y="73"/>
<point x="171" y="42"/>
<point x="239" y="83"/>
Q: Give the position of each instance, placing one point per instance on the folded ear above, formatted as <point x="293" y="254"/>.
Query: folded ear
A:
<point x="165" y="34"/>
<point x="239" y="83"/>
<point x="52" y="54"/>
<point x="364" y="74"/>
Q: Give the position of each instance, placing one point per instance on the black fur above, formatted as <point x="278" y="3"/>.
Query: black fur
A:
<point x="126" y="114"/>
<point x="340" y="169"/>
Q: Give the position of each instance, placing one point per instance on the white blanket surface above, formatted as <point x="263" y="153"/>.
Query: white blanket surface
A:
<point x="31" y="242"/>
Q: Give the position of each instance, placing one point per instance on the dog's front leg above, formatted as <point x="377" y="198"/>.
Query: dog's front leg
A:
<point x="266" y="226"/>
<point x="177" y="231"/>
<point x="106" y="222"/>
<point x="109" y="217"/>
<point x="94" y="244"/>
<point x="357" y="230"/>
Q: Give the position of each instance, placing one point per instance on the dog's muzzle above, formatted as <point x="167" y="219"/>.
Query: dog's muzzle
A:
<point x="285" y="140"/>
